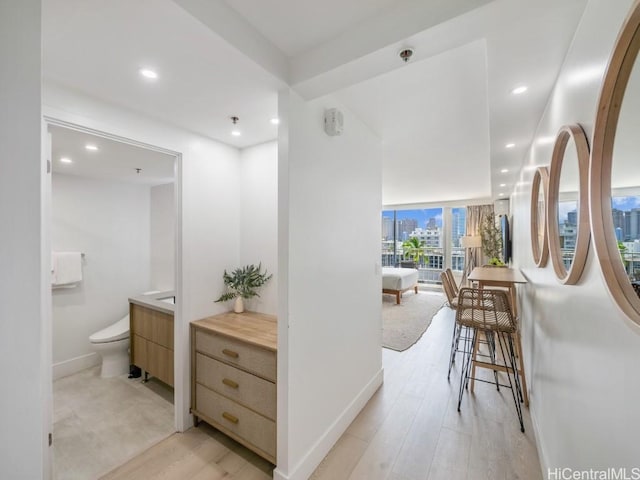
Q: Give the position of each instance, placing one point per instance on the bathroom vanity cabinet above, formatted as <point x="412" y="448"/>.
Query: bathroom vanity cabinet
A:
<point x="233" y="377"/>
<point x="152" y="340"/>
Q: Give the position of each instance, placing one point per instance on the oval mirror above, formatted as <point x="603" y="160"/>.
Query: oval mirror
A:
<point x="567" y="210"/>
<point x="615" y="171"/>
<point x="539" y="239"/>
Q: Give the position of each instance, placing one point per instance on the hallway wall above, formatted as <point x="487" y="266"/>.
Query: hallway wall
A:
<point x="25" y="346"/>
<point x="581" y="353"/>
<point x="259" y="219"/>
<point x="330" y="324"/>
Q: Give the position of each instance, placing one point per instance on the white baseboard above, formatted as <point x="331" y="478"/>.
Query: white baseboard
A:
<point x="306" y="466"/>
<point x="74" y="365"/>
<point x="542" y="456"/>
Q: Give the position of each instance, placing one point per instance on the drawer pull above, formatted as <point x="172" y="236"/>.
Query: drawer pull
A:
<point x="230" y="353"/>
<point x="231" y="418"/>
<point x="229" y="383"/>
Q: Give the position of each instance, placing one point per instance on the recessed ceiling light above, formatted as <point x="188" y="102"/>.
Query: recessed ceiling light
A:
<point x="91" y="147"/>
<point x="66" y="160"/>
<point x="519" y="90"/>
<point x="510" y="145"/>
<point x="504" y="170"/>
<point x="501" y="194"/>
<point x="275" y="121"/>
<point x="147" y="73"/>
<point x="503" y="184"/>
<point x="235" y="132"/>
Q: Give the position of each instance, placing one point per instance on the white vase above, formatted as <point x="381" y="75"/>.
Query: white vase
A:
<point x="238" y="306"/>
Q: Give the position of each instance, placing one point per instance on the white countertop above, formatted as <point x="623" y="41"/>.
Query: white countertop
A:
<point x="161" y="301"/>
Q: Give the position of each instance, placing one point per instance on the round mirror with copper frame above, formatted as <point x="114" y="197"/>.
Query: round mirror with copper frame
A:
<point x="569" y="258"/>
<point x="539" y="238"/>
<point x="609" y="125"/>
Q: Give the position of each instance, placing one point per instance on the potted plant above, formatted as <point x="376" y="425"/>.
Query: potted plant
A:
<point x="413" y="249"/>
<point x="492" y="241"/>
<point x="242" y="283"/>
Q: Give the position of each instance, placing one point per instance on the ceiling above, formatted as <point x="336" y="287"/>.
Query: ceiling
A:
<point x="306" y="25"/>
<point x="97" y="48"/>
<point x="444" y="118"/>
<point x="113" y="160"/>
<point x="421" y="139"/>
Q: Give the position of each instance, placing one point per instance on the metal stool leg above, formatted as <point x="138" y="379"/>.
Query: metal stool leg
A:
<point x="454" y="346"/>
<point x="523" y="394"/>
<point x="469" y="346"/>
<point x="508" y="355"/>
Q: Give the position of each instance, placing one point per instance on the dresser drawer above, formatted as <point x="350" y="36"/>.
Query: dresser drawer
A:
<point x="253" y="392"/>
<point x="260" y="361"/>
<point x="245" y="424"/>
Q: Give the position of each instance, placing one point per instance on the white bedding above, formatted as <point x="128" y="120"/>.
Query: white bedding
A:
<point x="398" y="278"/>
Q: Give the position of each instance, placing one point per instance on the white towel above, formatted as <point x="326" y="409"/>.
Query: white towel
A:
<point x="66" y="268"/>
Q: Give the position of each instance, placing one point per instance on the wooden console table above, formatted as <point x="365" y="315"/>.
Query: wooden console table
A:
<point x="499" y="277"/>
<point x="507" y="278"/>
<point x="233" y="377"/>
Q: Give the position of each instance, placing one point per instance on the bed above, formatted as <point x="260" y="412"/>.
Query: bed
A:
<point x="395" y="281"/>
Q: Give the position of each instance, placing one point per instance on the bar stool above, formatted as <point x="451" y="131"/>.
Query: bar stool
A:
<point x="451" y="291"/>
<point x="488" y="312"/>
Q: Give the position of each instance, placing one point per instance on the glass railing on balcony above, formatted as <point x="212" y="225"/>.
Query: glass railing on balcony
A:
<point x="632" y="265"/>
<point x="429" y="265"/>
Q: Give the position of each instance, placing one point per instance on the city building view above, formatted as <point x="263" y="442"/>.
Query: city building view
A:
<point x="626" y="222"/>
<point x="568" y="230"/>
<point x="426" y="239"/>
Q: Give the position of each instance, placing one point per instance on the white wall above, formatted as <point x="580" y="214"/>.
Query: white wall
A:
<point x="259" y="219"/>
<point x="163" y="237"/>
<point x="23" y="454"/>
<point x="329" y="314"/>
<point x="109" y="222"/>
<point x="208" y="222"/>
<point x="581" y="354"/>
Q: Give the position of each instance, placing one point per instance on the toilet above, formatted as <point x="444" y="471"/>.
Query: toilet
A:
<point x="112" y="343"/>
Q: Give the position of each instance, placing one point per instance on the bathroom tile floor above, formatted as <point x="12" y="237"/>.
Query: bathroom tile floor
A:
<point x="101" y="423"/>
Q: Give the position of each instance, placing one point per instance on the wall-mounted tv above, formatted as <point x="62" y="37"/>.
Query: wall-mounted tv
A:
<point x="506" y="238"/>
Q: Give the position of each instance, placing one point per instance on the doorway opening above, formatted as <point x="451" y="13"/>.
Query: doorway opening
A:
<point x="114" y="223"/>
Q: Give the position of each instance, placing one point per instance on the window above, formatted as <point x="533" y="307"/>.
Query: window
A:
<point x="458" y="230"/>
<point x="414" y="238"/>
<point x="389" y="253"/>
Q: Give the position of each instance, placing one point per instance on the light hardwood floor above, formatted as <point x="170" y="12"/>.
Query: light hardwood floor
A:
<point x="409" y="430"/>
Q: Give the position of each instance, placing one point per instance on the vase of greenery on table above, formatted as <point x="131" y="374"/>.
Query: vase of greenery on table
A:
<point x="242" y="283"/>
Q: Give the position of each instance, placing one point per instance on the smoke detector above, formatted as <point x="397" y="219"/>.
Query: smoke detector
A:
<point x="405" y="54"/>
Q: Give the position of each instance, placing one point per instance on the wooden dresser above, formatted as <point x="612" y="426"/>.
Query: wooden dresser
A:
<point x="233" y="377"/>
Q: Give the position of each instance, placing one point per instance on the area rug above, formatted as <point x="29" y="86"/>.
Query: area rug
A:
<point x="404" y="324"/>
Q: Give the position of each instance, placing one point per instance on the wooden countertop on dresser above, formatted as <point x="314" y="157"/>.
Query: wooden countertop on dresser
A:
<point x="254" y="328"/>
